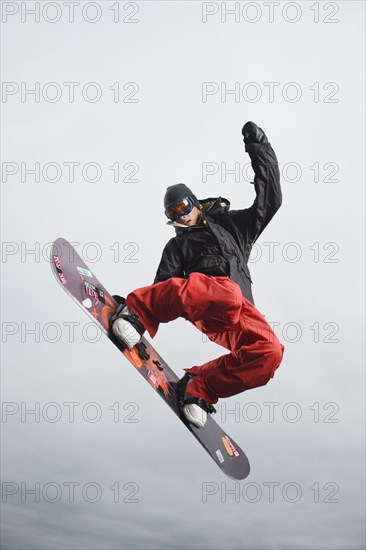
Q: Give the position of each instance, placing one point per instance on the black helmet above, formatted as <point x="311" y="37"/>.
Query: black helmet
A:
<point x="179" y="191"/>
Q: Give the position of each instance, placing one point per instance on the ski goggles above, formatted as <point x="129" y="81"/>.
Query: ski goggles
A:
<point x="179" y="208"/>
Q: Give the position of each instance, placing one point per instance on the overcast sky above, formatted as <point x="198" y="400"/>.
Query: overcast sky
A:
<point x="130" y="97"/>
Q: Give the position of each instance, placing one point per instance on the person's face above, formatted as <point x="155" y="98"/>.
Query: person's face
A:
<point x="191" y="218"/>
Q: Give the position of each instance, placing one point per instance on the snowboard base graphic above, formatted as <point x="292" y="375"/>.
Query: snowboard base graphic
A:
<point x="81" y="284"/>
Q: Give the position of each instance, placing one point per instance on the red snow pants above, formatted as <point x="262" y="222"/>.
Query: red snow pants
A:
<point x="216" y="306"/>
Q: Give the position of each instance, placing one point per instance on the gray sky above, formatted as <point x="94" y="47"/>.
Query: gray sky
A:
<point x="139" y="479"/>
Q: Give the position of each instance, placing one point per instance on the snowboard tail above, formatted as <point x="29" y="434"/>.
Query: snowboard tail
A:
<point x="84" y="288"/>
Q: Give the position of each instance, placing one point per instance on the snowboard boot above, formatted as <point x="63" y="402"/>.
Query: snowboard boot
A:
<point x="253" y="134"/>
<point x="126" y="325"/>
<point x="193" y="408"/>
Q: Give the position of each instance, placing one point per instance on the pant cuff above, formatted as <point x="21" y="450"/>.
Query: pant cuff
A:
<point x="198" y="387"/>
<point x="149" y="324"/>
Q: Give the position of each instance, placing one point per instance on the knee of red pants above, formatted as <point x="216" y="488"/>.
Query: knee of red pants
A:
<point x="271" y="361"/>
<point x="221" y="288"/>
<point x="276" y="355"/>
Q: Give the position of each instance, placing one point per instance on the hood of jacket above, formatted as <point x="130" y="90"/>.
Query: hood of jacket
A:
<point x="208" y="206"/>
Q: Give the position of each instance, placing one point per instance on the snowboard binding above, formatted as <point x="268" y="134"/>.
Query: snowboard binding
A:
<point x="184" y="402"/>
<point x="125" y="324"/>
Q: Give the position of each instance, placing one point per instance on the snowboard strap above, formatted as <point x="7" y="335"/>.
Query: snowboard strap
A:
<point x="182" y="388"/>
<point x="129" y="316"/>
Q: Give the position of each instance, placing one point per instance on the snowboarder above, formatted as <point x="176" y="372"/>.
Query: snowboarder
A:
<point x="203" y="277"/>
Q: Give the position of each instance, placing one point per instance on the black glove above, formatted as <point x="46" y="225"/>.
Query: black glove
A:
<point x="253" y="134"/>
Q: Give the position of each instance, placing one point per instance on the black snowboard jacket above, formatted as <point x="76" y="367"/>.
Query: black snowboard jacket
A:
<point x="220" y="244"/>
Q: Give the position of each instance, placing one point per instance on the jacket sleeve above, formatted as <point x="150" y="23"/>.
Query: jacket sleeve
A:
<point x="171" y="264"/>
<point x="251" y="221"/>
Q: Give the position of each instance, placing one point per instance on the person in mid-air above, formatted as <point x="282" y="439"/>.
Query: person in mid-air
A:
<point x="203" y="277"/>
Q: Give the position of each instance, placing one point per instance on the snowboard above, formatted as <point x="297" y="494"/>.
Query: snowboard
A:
<point x="77" y="279"/>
